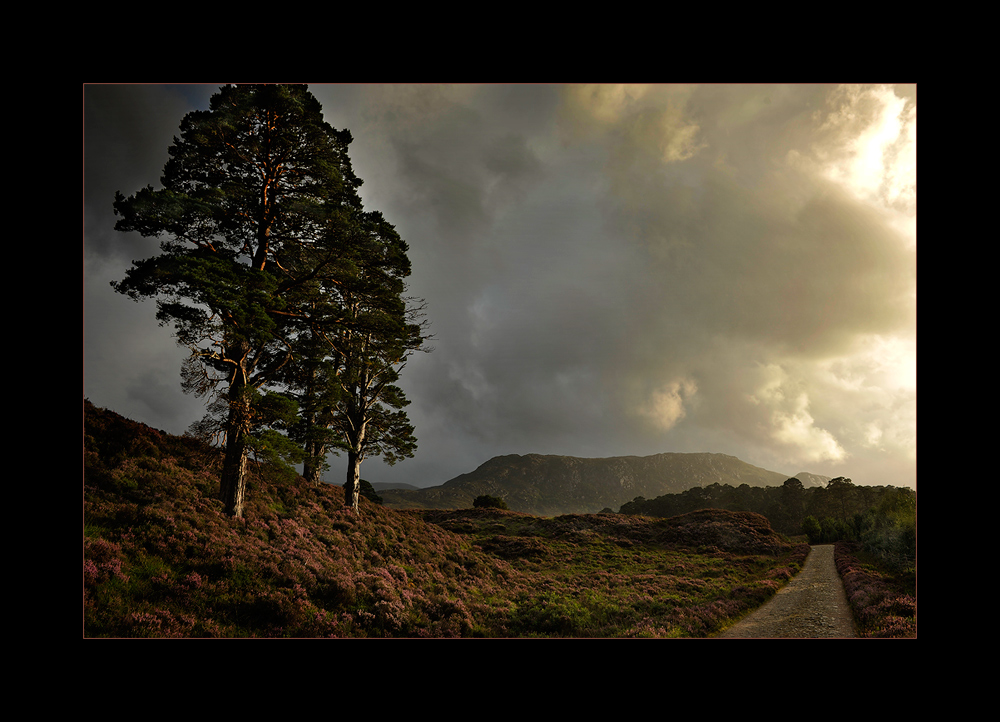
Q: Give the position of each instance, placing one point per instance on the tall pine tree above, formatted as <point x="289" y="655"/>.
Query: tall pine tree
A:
<point x="347" y="388"/>
<point x="370" y="417"/>
<point x="257" y="213"/>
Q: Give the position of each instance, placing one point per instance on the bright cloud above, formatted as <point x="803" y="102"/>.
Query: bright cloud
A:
<point x="786" y="417"/>
<point x="665" y="406"/>
<point x="870" y="143"/>
<point x="797" y="428"/>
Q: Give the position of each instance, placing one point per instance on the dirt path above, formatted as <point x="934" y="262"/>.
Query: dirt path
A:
<point x="811" y="606"/>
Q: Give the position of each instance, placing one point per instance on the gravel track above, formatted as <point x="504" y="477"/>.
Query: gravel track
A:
<point x="811" y="606"/>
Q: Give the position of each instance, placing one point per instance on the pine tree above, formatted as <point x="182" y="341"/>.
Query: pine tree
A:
<point x="313" y="383"/>
<point x="357" y="406"/>
<point x="257" y="212"/>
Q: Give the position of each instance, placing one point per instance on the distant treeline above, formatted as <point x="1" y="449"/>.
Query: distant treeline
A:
<point x="883" y="518"/>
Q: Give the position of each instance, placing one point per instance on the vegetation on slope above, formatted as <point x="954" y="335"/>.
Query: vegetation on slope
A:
<point x="162" y="559"/>
<point x="884" y="600"/>
<point x="608" y="575"/>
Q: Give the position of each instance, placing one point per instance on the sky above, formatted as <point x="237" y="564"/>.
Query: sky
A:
<point x="608" y="270"/>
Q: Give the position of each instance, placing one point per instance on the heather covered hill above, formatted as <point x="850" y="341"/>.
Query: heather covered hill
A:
<point x="549" y="485"/>
<point x="162" y="559"/>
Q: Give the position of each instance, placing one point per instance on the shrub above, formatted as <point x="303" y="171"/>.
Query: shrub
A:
<point x="827" y="531"/>
<point x="835" y="530"/>
<point x="811" y="528"/>
<point x="489" y="502"/>
<point x="161" y="559"/>
<point x="368" y="492"/>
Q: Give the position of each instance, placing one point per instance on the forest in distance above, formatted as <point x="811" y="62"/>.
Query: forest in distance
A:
<point x="882" y="516"/>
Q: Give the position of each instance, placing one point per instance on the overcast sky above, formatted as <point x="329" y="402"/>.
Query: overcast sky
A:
<point x="609" y="270"/>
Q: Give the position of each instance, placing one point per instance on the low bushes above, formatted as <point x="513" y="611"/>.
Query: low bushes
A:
<point x="884" y="604"/>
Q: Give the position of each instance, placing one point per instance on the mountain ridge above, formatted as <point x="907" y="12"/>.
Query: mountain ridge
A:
<point x="551" y="484"/>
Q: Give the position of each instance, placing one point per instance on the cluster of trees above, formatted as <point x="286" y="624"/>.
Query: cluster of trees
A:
<point x="288" y="293"/>
<point x="886" y="530"/>
<point x="485" y="501"/>
<point x="882" y="518"/>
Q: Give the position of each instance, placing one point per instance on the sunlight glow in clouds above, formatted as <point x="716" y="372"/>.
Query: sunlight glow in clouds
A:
<point x="772" y="251"/>
<point x="665" y="406"/>
<point x="644" y="122"/>
<point x="604" y="105"/>
<point x="876" y="132"/>
<point x="797" y="428"/>
<point x="789" y="418"/>
<point x="867" y="144"/>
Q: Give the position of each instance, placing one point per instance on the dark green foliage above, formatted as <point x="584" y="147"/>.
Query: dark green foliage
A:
<point x="834" y="530"/>
<point x="812" y="528"/>
<point x="380" y="332"/>
<point x="485" y="501"/>
<point x="888" y="531"/>
<point x="255" y="212"/>
<point x="841" y="510"/>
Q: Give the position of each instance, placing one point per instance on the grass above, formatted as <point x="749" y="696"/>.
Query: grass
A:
<point x="613" y="576"/>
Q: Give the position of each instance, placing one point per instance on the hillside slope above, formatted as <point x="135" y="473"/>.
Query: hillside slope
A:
<point x="549" y="485"/>
<point x="161" y="559"/>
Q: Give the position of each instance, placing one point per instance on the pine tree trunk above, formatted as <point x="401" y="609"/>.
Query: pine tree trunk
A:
<point x="232" y="489"/>
<point x="234" y="478"/>
<point x="356" y="441"/>
<point x="312" y="468"/>
<point x="352" y="489"/>
<point x="313" y="465"/>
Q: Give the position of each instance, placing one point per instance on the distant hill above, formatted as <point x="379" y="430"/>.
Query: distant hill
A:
<point x="383" y="485"/>
<point x="810" y="480"/>
<point x="549" y="485"/>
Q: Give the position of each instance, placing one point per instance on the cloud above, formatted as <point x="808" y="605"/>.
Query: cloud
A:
<point x="691" y="239"/>
<point x="614" y="269"/>
<point x="866" y="143"/>
<point x="638" y="124"/>
<point x="787" y="420"/>
<point x="798" y="428"/>
<point x="868" y="139"/>
<point x="665" y="405"/>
